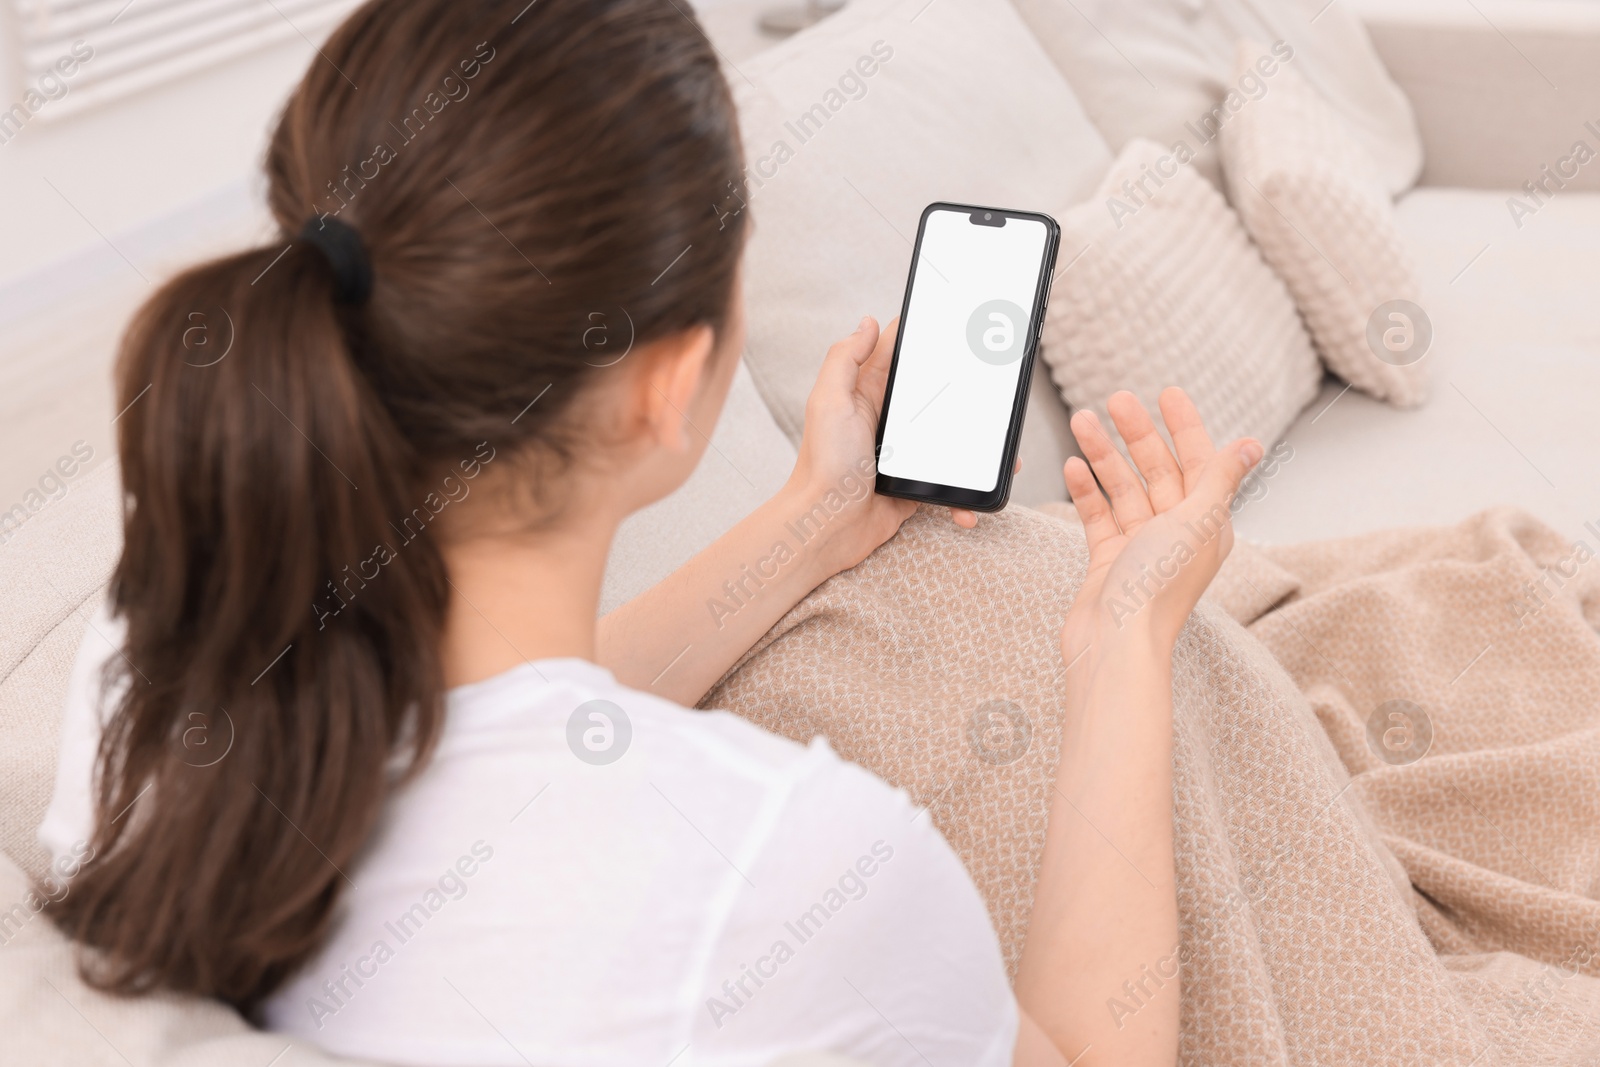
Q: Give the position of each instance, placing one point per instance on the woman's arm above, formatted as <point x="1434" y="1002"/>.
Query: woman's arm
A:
<point x="679" y="637"/>
<point x="1100" y="968"/>
<point x="1105" y="906"/>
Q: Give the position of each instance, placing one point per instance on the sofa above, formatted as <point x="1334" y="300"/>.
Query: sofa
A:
<point x="1019" y="104"/>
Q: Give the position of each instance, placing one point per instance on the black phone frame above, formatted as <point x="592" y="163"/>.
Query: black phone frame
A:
<point x="950" y="495"/>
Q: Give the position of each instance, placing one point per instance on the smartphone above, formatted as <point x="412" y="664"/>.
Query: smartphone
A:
<point x="969" y="330"/>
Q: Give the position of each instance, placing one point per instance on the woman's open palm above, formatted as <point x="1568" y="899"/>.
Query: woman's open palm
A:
<point x="1158" y="540"/>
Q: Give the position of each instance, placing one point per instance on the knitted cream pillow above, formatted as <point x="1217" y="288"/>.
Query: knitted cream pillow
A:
<point x="1312" y="198"/>
<point x="1158" y="284"/>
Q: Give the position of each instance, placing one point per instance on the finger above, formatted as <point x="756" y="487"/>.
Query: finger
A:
<point x="1129" y="502"/>
<point x="1188" y="433"/>
<point x="1017" y="469"/>
<point x="963" y="518"/>
<point x="1162" y="476"/>
<point x="1099" y="525"/>
<point x="874" y="376"/>
<point x="863" y="341"/>
<point x="1219" y="480"/>
<point x="842" y="365"/>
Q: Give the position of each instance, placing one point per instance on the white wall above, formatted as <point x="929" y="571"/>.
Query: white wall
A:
<point x="95" y="207"/>
<point x="132" y="162"/>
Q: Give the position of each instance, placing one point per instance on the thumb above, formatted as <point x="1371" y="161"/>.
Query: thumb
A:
<point x="859" y="345"/>
<point x="845" y="357"/>
<point x="1220" y="478"/>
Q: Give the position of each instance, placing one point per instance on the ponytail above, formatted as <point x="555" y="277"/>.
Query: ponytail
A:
<point x="267" y="682"/>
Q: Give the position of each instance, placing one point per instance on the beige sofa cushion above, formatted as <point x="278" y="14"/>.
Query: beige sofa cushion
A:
<point x="1148" y="68"/>
<point x="1167" y="289"/>
<point x="52" y="572"/>
<point x="48" y="1015"/>
<point x="961" y="104"/>
<point x="1312" y="198"/>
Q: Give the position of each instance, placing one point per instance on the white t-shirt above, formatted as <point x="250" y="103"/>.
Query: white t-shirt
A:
<point x="714" y="894"/>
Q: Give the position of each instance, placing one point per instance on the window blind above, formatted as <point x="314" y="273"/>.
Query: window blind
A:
<point x="138" y="43"/>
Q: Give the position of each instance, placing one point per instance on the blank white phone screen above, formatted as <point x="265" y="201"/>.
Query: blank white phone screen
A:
<point x="963" y="337"/>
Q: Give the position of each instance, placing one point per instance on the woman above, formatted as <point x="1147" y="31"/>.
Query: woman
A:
<point x="454" y="821"/>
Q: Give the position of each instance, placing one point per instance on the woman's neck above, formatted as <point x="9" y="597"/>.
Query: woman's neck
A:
<point x="525" y="598"/>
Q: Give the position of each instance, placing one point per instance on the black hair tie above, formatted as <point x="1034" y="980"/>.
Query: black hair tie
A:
<point x="342" y="247"/>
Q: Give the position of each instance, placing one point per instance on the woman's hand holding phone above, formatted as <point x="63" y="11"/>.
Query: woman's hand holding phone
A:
<point x="837" y="446"/>
<point x="827" y="517"/>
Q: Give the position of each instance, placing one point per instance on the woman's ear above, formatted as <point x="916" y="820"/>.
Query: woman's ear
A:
<point x="671" y="374"/>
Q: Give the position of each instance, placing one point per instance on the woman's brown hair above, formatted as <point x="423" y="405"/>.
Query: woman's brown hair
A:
<point x="521" y="175"/>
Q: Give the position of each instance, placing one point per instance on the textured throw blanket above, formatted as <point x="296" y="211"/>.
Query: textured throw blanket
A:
<point x="1387" y="793"/>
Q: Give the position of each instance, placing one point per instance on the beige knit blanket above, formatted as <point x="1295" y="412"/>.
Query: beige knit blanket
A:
<point x="1387" y="792"/>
